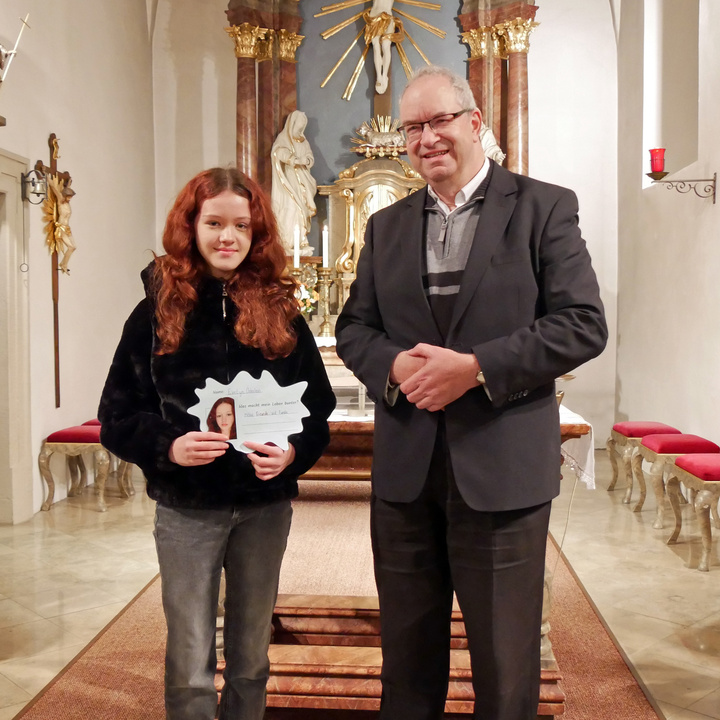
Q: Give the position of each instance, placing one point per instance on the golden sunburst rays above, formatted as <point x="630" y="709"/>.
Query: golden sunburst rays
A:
<point x="397" y="37"/>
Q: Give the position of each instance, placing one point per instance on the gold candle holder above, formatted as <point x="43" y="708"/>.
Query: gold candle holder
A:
<point x="324" y="283"/>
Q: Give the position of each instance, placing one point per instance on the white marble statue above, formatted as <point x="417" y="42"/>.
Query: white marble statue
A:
<point x="293" y="186"/>
<point x="490" y="146"/>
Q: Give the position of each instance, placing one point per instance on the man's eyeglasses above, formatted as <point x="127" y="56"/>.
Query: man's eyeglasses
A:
<point x="414" y="131"/>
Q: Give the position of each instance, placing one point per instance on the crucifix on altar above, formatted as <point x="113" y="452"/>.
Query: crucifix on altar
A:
<point x="58" y="237"/>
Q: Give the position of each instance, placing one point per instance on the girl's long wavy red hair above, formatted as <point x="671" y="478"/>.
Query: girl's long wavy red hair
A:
<point x="263" y="293"/>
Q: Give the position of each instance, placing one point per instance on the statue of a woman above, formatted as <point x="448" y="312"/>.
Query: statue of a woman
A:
<point x="293" y="187"/>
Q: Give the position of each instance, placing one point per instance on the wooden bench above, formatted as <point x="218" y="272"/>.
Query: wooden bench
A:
<point x="625" y="437"/>
<point x="73" y="442"/>
<point x="701" y="474"/>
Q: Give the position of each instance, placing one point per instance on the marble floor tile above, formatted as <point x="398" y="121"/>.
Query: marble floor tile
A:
<point x="709" y="705"/>
<point x="12" y="694"/>
<point x="23" y="641"/>
<point x="73" y="598"/>
<point x="86" y="624"/>
<point x="32" y="674"/>
<point x="674" y="682"/>
<point x="13" y="614"/>
<point x="9" y="712"/>
<point x="673" y="712"/>
<point x="636" y="632"/>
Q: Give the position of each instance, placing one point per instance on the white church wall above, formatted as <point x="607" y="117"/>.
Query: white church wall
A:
<point x="669" y="256"/>
<point x="573" y="142"/>
<point x="82" y="72"/>
<point x="195" y="92"/>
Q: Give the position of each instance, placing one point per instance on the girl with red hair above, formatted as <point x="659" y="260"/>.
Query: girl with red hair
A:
<point x="217" y="303"/>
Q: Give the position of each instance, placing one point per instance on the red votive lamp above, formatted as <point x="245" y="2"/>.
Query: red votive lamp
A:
<point x="657" y="159"/>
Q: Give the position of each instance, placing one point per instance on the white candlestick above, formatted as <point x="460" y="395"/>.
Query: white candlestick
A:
<point x="325" y="246"/>
<point x="296" y="247"/>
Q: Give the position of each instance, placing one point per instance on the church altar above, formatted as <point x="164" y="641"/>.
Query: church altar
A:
<point x="349" y="454"/>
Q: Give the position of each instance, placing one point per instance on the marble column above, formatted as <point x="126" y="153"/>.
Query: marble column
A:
<point x="517" y="140"/>
<point x="268" y="74"/>
<point x="266" y="38"/>
<point x="516" y="34"/>
<point x="246" y="38"/>
<point x="478" y="65"/>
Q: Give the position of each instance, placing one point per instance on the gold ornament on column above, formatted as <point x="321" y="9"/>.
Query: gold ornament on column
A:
<point x="246" y="38"/>
<point x="265" y="47"/>
<point x="516" y="34"/>
<point x="477" y="39"/>
<point x="288" y="43"/>
<point x="499" y="41"/>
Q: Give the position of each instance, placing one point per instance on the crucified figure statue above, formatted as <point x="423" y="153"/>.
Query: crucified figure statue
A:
<point x="382" y="29"/>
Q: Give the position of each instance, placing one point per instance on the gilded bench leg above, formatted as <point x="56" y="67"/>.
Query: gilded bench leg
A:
<point x="673" y="491"/>
<point x="102" y="466"/>
<point x="703" y="501"/>
<point x="627" y="458"/>
<point x="124" y="478"/>
<point x="78" y="475"/>
<point x="637" y="471"/>
<point x="612" y="455"/>
<point x="658" y="486"/>
<point x="44" y="464"/>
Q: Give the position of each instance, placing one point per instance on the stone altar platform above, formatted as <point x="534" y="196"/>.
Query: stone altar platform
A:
<point x="326" y="654"/>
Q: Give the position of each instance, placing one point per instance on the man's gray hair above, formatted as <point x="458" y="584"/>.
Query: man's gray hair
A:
<point x="459" y="84"/>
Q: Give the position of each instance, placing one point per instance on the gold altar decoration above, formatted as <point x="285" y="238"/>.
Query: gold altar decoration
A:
<point x="379" y="138"/>
<point x="515" y="35"/>
<point x="374" y="28"/>
<point x="288" y="43"/>
<point x="360" y="190"/>
<point x="477" y="39"/>
<point x="249" y="39"/>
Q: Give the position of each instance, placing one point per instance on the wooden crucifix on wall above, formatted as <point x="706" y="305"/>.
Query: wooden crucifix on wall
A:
<point x="58" y="237"/>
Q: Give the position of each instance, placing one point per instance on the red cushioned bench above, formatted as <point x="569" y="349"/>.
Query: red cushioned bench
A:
<point x="73" y="442"/>
<point x="623" y="441"/>
<point x="701" y="474"/>
<point x="661" y="451"/>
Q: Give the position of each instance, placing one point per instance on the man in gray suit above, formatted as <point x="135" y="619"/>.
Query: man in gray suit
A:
<point x="471" y="297"/>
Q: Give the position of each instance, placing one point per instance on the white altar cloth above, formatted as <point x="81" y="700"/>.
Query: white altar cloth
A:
<point x="579" y="453"/>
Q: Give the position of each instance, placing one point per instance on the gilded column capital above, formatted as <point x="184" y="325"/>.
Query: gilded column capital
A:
<point x="288" y="43"/>
<point x="516" y="35"/>
<point x="250" y="40"/>
<point x="477" y="39"/>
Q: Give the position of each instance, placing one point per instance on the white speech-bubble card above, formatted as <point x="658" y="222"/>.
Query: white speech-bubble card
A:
<point x="262" y="410"/>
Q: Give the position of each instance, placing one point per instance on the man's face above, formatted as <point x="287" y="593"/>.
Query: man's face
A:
<point x="448" y="158"/>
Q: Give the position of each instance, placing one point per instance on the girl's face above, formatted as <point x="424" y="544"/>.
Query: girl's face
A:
<point x="224" y="417"/>
<point x="223" y="233"/>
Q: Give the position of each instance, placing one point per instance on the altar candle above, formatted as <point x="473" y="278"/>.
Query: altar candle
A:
<point x="325" y="246"/>
<point x="296" y="247"/>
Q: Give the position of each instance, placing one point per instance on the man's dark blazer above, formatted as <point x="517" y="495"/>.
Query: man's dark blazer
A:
<point x="528" y="308"/>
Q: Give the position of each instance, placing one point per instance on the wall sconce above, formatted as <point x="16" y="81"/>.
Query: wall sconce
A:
<point x="704" y="188"/>
<point x="34" y="185"/>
